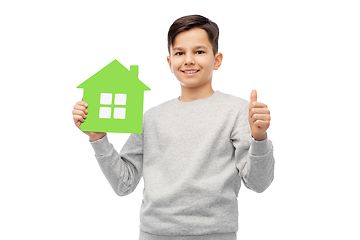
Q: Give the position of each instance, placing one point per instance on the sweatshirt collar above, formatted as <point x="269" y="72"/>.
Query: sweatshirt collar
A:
<point x="177" y="101"/>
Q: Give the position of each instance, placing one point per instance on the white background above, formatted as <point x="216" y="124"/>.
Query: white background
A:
<point x="303" y="57"/>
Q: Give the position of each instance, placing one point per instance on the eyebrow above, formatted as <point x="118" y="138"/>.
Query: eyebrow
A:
<point x="177" y="48"/>
<point x="196" y="47"/>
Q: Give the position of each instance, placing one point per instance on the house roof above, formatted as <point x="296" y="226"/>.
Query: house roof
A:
<point x="115" y="76"/>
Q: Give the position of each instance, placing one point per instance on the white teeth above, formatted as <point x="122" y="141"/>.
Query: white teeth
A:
<point x="190" y="71"/>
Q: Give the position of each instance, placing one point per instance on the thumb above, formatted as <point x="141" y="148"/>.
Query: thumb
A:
<point x="253" y="96"/>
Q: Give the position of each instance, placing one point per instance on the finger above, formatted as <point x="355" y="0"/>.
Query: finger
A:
<point x="257" y="105"/>
<point x="253" y="96"/>
<point x="263" y="117"/>
<point x="259" y="111"/>
<point x="82" y="103"/>
<point x="79" y="113"/>
<point x="78" y="118"/>
<point x="262" y="124"/>
<point x="81" y="108"/>
<point x="78" y="124"/>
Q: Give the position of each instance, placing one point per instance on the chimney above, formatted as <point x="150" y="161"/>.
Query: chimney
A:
<point x="134" y="71"/>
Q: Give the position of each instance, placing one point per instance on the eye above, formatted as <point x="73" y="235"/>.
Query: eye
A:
<point x="200" y="52"/>
<point x="179" y="53"/>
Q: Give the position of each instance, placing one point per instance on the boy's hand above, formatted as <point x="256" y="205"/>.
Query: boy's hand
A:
<point x="79" y="114"/>
<point x="259" y="118"/>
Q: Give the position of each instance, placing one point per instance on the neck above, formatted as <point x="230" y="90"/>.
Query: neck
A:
<point x="192" y="94"/>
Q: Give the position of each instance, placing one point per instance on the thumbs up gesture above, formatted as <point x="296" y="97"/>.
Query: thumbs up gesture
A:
<point x="259" y="118"/>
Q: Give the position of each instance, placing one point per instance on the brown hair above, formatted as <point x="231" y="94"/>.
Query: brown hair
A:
<point x="194" y="21"/>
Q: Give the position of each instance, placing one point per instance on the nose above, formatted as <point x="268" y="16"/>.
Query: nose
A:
<point x="189" y="60"/>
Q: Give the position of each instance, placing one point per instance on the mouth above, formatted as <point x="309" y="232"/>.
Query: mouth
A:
<point x="190" y="72"/>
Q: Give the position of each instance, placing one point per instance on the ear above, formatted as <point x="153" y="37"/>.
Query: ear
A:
<point x="218" y="60"/>
<point x="169" y="62"/>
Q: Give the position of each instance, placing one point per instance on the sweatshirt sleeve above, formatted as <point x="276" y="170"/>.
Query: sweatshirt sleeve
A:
<point x="254" y="159"/>
<point x="122" y="170"/>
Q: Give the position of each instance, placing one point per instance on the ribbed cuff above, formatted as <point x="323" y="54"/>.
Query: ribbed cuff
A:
<point x="260" y="148"/>
<point x="214" y="236"/>
<point x="102" y="147"/>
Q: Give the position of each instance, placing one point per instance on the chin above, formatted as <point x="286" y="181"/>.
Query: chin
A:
<point x="190" y="84"/>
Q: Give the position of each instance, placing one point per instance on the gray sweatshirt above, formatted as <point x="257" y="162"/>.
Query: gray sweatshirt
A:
<point x="192" y="156"/>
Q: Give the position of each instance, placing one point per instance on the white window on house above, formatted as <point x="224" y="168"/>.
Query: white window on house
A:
<point x="106" y="98"/>
<point x="108" y="106"/>
<point x="105" y="112"/>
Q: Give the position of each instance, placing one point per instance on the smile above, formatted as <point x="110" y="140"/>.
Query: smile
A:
<point x="190" y="72"/>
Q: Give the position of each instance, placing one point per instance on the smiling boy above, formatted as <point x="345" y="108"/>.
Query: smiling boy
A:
<point x="194" y="150"/>
<point x="192" y="61"/>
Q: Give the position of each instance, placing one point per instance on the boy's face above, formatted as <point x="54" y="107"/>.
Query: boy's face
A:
<point x="192" y="59"/>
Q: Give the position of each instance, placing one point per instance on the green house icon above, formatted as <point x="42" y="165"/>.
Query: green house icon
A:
<point x="115" y="97"/>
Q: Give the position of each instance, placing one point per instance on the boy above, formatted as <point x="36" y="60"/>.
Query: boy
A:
<point x="194" y="150"/>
